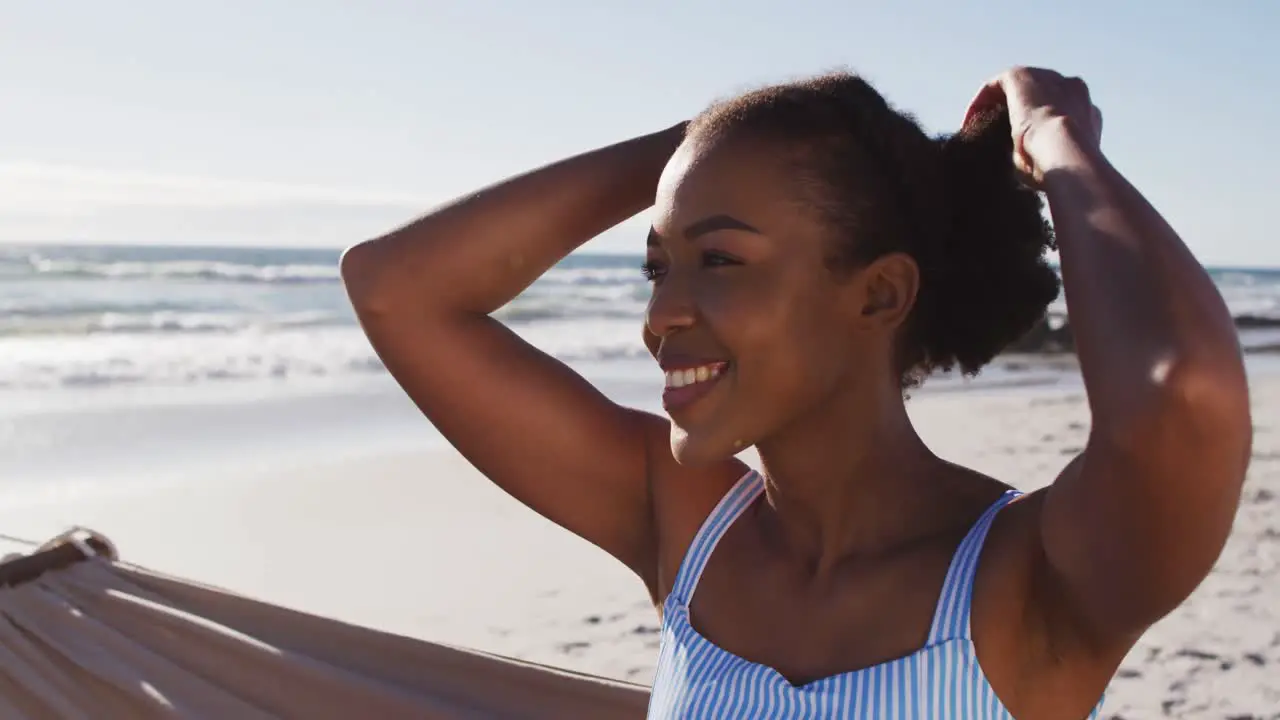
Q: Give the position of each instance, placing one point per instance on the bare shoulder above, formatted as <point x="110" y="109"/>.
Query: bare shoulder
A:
<point x="1021" y="622"/>
<point x="683" y="497"/>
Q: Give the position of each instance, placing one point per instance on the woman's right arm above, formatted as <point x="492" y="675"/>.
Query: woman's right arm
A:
<point x="424" y="295"/>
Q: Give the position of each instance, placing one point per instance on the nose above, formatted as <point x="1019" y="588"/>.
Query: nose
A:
<point x="671" y="308"/>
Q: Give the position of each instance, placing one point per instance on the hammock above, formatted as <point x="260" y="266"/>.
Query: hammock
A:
<point x="84" y="635"/>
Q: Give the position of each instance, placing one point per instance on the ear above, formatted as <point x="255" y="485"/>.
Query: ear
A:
<point x="889" y="287"/>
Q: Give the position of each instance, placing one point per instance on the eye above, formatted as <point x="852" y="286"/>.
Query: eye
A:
<point x="713" y="258"/>
<point x="653" y="270"/>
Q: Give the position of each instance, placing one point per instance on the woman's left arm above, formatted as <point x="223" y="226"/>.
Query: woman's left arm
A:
<point x="1137" y="521"/>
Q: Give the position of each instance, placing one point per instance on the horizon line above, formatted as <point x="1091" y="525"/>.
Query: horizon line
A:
<point x="339" y="248"/>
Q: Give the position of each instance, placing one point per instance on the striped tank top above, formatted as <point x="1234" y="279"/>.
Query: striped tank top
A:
<point x="697" y="679"/>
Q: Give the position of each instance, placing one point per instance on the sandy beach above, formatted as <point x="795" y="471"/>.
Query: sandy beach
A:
<point x="182" y="369"/>
<point x="407" y="537"/>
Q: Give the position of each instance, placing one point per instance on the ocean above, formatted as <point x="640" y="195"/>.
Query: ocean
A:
<point x="86" y="317"/>
<point x="127" y="367"/>
<point x="78" y="317"/>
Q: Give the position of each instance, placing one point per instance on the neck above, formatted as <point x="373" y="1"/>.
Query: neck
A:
<point x="844" y="482"/>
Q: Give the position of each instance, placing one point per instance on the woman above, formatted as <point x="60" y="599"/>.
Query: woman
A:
<point x="813" y="255"/>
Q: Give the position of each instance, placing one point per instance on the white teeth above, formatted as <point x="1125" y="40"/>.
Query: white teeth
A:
<point x="689" y="376"/>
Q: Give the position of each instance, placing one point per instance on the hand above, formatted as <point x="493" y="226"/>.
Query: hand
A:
<point x="1039" y="100"/>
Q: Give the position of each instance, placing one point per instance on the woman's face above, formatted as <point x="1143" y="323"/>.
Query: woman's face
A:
<point x="752" y="328"/>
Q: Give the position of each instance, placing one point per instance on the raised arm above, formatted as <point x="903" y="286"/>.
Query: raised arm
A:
<point x="424" y="295"/>
<point x="1135" y="523"/>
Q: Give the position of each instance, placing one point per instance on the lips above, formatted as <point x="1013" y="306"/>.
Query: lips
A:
<point x="684" y="377"/>
<point x="689" y="380"/>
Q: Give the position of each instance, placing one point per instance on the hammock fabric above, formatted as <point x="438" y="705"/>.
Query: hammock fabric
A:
<point x="86" y="636"/>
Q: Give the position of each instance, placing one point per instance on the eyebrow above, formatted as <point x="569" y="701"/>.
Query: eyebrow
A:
<point x="704" y="226"/>
<point x="716" y="222"/>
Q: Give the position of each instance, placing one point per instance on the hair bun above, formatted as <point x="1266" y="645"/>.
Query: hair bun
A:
<point x="992" y="282"/>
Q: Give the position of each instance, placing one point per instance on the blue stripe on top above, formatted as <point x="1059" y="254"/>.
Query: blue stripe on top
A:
<point x="697" y="679"/>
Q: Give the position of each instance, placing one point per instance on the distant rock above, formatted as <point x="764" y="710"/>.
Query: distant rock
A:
<point x="1052" y="335"/>
<point x="1255" y="322"/>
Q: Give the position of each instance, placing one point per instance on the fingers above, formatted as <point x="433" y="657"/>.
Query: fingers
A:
<point x="990" y="96"/>
<point x="1079" y="88"/>
<point x="1002" y="90"/>
<point x="1024" y="90"/>
<point x="1077" y="85"/>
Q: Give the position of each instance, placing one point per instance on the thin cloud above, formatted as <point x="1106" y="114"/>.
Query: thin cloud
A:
<point x="44" y="203"/>
<point x="36" y="187"/>
<point x="52" y="203"/>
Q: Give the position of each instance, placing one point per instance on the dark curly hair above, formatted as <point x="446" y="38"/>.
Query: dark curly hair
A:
<point x="953" y="203"/>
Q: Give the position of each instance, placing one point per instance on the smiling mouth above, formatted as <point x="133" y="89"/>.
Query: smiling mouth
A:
<point x="685" y="385"/>
<point x="685" y="377"/>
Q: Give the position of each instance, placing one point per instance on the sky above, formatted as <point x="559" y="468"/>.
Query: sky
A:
<point x="322" y="123"/>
